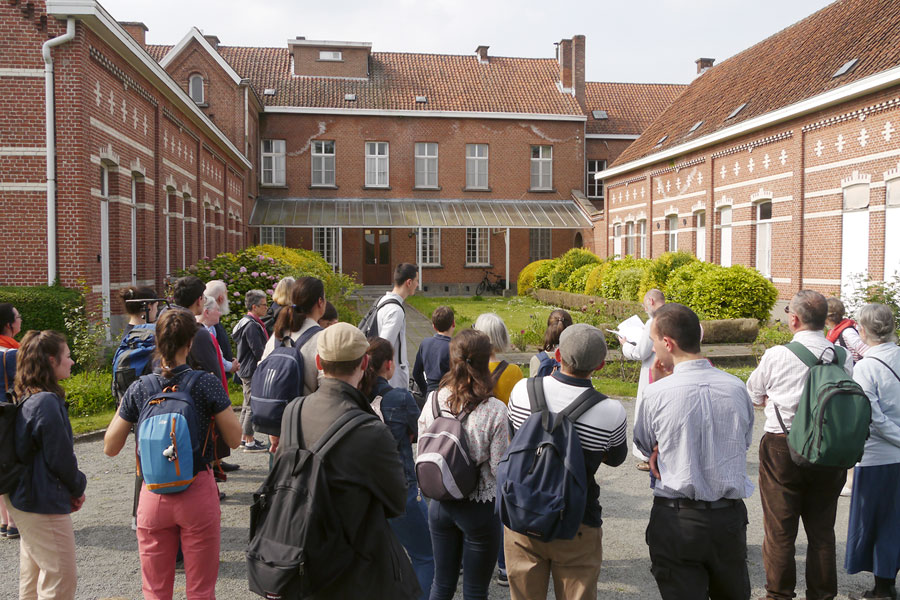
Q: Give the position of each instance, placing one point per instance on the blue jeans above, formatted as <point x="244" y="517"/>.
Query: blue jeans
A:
<point x="463" y="532"/>
<point x="412" y="531"/>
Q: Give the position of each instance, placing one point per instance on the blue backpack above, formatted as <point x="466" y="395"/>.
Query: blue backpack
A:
<point x="548" y="365"/>
<point x="132" y="358"/>
<point x="278" y="379"/>
<point x="542" y="479"/>
<point x="168" y="436"/>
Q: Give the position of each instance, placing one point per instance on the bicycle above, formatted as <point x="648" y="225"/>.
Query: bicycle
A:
<point x="495" y="286"/>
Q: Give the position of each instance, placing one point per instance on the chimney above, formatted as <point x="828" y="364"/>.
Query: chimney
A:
<point x="136" y="30"/>
<point x="704" y="64"/>
<point x="213" y="41"/>
<point x="482" y="52"/>
<point x="578" y="77"/>
<point x="565" y="63"/>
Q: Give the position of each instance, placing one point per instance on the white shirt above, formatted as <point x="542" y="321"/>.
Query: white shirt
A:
<point x="642" y="350"/>
<point x="883" y="390"/>
<point x="311" y="375"/>
<point x="702" y="420"/>
<point x="781" y="376"/>
<point x="392" y="327"/>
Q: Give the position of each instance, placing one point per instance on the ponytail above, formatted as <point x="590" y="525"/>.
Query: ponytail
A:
<point x="305" y="294"/>
<point x="380" y="352"/>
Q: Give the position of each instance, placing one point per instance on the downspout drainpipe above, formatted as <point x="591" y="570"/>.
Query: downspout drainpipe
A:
<point x="50" y="102"/>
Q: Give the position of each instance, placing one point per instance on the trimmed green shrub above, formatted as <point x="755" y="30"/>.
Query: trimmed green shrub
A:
<point x="568" y="263"/>
<point x="41" y="307"/>
<point x="88" y="393"/>
<point x="736" y="292"/>
<point x="578" y="279"/>
<point x="659" y="269"/>
<point x="525" y="281"/>
<point x="543" y="273"/>
<point x="682" y="282"/>
<point x="621" y="281"/>
<point x="594" y="278"/>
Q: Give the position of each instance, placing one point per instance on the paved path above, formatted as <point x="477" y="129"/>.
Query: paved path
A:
<point x="107" y="550"/>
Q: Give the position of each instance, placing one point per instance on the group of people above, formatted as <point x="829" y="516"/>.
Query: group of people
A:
<point x="693" y="427"/>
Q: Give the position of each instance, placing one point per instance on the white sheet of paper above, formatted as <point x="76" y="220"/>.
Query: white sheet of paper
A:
<point x="630" y="328"/>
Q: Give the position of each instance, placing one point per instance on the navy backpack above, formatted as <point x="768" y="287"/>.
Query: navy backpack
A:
<point x="132" y="358"/>
<point x="548" y="365"/>
<point x="278" y="379"/>
<point x="542" y="480"/>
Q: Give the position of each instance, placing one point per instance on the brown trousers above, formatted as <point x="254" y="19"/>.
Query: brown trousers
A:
<point x="790" y="493"/>
<point x="574" y="564"/>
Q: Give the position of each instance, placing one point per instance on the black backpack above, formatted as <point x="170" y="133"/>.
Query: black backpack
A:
<point x="7" y="357"/>
<point x="297" y="542"/>
<point x="369" y="323"/>
<point x="11" y="469"/>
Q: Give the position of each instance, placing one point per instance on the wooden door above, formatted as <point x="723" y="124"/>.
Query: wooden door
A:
<point x="377" y="257"/>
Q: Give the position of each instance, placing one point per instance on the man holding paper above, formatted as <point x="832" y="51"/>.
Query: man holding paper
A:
<point x="640" y="347"/>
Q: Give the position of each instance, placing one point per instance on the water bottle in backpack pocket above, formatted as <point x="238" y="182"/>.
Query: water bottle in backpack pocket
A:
<point x="278" y="379"/>
<point x="444" y="468"/>
<point x="169" y="435"/>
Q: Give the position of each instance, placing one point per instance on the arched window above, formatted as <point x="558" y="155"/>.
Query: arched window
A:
<point x="579" y="241"/>
<point x="195" y="88"/>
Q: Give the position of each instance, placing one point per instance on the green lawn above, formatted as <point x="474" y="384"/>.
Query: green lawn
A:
<point x="91" y="423"/>
<point x="515" y="311"/>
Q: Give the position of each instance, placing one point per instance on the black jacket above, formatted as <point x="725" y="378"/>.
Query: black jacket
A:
<point x="203" y="356"/>
<point x="271" y="317"/>
<point x="368" y="486"/>
<point x="224" y="342"/>
<point x="251" y="341"/>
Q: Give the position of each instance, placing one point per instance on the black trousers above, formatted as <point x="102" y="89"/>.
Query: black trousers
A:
<point x="699" y="553"/>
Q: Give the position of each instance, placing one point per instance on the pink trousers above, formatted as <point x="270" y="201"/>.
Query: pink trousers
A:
<point x="190" y="517"/>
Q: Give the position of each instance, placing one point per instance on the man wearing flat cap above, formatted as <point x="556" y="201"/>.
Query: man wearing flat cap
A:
<point x="574" y="564"/>
<point x="365" y="473"/>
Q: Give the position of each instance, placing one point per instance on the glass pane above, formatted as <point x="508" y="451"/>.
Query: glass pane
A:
<point x="384" y="253"/>
<point x="535" y="152"/>
<point x="369" y="246"/>
<point x="765" y="211"/>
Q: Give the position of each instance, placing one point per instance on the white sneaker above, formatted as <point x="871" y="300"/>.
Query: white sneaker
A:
<point x="846" y="491"/>
<point x="134" y="523"/>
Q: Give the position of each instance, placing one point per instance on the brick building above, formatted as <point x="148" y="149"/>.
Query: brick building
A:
<point x="458" y="163"/>
<point x="785" y="157"/>
<point x="161" y="155"/>
<point x="135" y="165"/>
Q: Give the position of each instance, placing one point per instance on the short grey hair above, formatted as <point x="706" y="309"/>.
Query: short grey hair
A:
<point x="811" y="308"/>
<point x="254" y="297"/>
<point x="209" y="302"/>
<point x="878" y="321"/>
<point x="493" y="326"/>
<point x="216" y="288"/>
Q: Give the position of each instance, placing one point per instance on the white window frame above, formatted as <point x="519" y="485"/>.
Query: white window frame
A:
<point x="195" y="84"/>
<point x="428" y="243"/>
<point x="323" y="163"/>
<point x="642" y="238"/>
<point x="617" y="240"/>
<point x="378" y="174"/>
<point x="331" y="55"/>
<point x="595" y="189"/>
<point x="540" y="244"/>
<point x="726" y="232"/>
<point x="325" y="243"/>
<point x="272" y="235"/>
<point x="104" y="181"/>
<point x="672" y="233"/>
<point x="477" y="166"/>
<point x="629" y="238"/>
<point x="426" y="155"/>
<point x="855" y="236"/>
<point x="132" y="207"/>
<point x="542" y="167"/>
<point x="763" y="257"/>
<point x="274" y="153"/>
<point x="700" y="237"/>
<point x="891" y="223"/>
<point x="478" y="246"/>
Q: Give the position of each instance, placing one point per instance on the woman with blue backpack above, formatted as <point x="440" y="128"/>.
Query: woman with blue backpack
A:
<point x="544" y="362"/>
<point x="173" y="416"/>
<point x="464" y="531"/>
<point x="52" y="486"/>
<point x="399" y="411"/>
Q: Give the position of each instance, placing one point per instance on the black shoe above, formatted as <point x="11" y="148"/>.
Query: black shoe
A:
<point x="229" y="467"/>
<point x="871" y="595"/>
<point x="221" y="496"/>
<point x="219" y="476"/>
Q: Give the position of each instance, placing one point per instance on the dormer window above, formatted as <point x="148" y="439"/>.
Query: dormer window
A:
<point x="195" y="88"/>
<point x="330" y="55"/>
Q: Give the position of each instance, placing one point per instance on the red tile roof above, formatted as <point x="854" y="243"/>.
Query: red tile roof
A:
<point x="794" y="64"/>
<point x="450" y="82"/>
<point x="631" y="107"/>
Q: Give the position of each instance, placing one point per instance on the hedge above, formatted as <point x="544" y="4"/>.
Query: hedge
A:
<point x="618" y="309"/>
<point x="41" y="307"/>
<point x="657" y="273"/>
<point x="568" y="263"/>
<point x="682" y="282"/>
<point x="525" y="282"/>
<point x="578" y="279"/>
<point x="733" y="292"/>
<point x="621" y="281"/>
<point x="543" y="273"/>
<point x="88" y="393"/>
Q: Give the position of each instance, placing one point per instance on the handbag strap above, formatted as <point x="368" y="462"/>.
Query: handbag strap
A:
<point x="886" y="365"/>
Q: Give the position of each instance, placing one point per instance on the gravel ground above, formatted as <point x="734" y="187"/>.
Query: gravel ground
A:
<point x="108" y="563"/>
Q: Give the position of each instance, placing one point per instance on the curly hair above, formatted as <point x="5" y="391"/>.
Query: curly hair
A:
<point x="34" y="371"/>
<point x="469" y="377"/>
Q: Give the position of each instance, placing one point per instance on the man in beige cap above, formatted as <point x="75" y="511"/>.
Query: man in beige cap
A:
<point x="365" y="473"/>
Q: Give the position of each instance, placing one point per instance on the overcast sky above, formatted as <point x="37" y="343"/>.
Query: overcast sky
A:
<point x="636" y="41"/>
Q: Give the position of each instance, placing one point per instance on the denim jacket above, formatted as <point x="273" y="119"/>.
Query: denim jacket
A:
<point x="44" y="441"/>
<point x="400" y="413"/>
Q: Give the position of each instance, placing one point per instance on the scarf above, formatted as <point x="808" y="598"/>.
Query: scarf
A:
<point x="8" y="342"/>
<point x="261" y="324"/>
<point x="221" y="363"/>
<point x="835" y="332"/>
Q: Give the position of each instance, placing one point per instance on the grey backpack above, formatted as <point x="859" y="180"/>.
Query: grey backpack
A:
<point x="444" y="469"/>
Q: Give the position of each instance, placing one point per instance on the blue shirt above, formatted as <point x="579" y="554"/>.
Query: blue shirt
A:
<point x="702" y="420"/>
<point x="432" y="362"/>
<point x="44" y="441"/>
<point x="400" y="413"/>
<point x="883" y="390"/>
